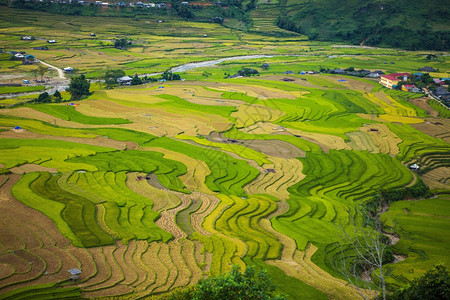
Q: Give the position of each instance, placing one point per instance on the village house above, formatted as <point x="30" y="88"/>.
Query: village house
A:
<point x="428" y="69"/>
<point x="410" y="88"/>
<point x="390" y="81"/>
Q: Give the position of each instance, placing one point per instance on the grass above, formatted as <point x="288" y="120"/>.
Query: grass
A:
<point x="20" y="89"/>
<point x="228" y="175"/>
<point x="423" y="230"/>
<point x="167" y="170"/>
<point x="69" y="113"/>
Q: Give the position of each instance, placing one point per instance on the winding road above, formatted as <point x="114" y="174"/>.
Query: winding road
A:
<point x="60" y="71"/>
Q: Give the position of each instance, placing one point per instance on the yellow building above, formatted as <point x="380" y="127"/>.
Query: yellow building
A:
<point x="391" y="80"/>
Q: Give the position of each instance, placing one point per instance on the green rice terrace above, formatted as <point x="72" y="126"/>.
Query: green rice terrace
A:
<point x="147" y="189"/>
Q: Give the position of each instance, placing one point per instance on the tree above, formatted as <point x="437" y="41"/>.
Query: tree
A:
<point x="434" y="285"/>
<point x="136" y="80"/>
<point x="57" y="96"/>
<point x="111" y="77"/>
<point x="121" y="43"/>
<point x="79" y="87"/>
<point x="312" y="36"/>
<point x="232" y="286"/>
<point x="365" y="251"/>
<point x="42" y="70"/>
<point x="44" y="98"/>
<point x="168" y="75"/>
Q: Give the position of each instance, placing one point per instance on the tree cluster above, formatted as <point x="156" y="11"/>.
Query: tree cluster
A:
<point x="47" y="98"/>
<point x="169" y="76"/>
<point x="247" y="72"/>
<point x="79" y="87"/>
<point x="234" y="285"/>
<point x="434" y="285"/>
<point x="121" y="43"/>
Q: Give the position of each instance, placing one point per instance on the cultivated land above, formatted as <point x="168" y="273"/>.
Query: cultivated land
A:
<point x="150" y="188"/>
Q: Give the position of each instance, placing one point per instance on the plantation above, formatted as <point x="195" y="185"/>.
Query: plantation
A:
<point x="149" y="189"/>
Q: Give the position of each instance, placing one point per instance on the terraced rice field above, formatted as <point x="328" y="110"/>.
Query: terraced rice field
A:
<point x="148" y="191"/>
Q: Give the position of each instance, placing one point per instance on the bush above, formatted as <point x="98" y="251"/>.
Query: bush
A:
<point x="234" y="285"/>
<point x="435" y="284"/>
<point x="79" y="87"/>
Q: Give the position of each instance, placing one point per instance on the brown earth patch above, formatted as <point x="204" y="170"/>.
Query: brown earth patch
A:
<point x="423" y="103"/>
<point x="435" y="127"/>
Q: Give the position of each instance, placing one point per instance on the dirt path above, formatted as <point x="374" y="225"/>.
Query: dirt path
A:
<point x="60" y="71"/>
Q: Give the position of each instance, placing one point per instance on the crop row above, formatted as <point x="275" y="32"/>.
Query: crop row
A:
<point x="92" y="209"/>
<point x="415" y="143"/>
<point x="334" y="184"/>
<point x="240" y="150"/>
<point x="228" y="175"/>
<point x="166" y="170"/>
<point x="69" y="113"/>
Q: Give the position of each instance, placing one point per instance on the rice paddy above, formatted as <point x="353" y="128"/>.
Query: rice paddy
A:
<point x="148" y="189"/>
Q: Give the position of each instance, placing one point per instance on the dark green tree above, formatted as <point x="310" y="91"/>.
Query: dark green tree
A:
<point x="434" y="285"/>
<point x="234" y="285"/>
<point x="136" y="80"/>
<point x="111" y="77"/>
<point x="44" y="98"/>
<point x="121" y="43"/>
<point x="168" y="75"/>
<point x="79" y="87"/>
<point x="427" y="79"/>
<point x="57" y="97"/>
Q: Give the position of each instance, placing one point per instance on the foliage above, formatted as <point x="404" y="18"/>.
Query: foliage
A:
<point x="247" y="72"/>
<point x="57" y="96"/>
<point x="121" y="43"/>
<point x="44" y="98"/>
<point x="136" y="80"/>
<point x="248" y="285"/>
<point x="434" y="285"/>
<point x="371" y="23"/>
<point x="168" y="75"/>
<point x="111" y="77"/>
<point x="79" y="87"/>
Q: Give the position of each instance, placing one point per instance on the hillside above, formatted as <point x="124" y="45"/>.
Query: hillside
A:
<point x="413" y="25"/>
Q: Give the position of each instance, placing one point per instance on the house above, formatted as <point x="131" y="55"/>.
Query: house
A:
<point x="445" y="79"/>
<point x="68" y="69"/>
<point x="379" y="72"/>
<point x="30" y="57"/>
<point x="373" y="75"/>
<point x="410" y="88"/>
<point x="40" y="48"/>
<point x="391" y="80"/>
<point x="427" y="69"/>
<point x="441" y="92"/>
<point x="51" y="41"/>
<point x="288" y="72"/>
<point x="27" y="38"/>
<point x="418" y="75"/>
<point x="337" y="71"/>
<point x="414" y="167"/>
<point x="125" y="80"/>
<point x="438" y="81"/>
<point x="139" y="4"/>
<point x="92" y="34"/>
<point x="19" y="56"/>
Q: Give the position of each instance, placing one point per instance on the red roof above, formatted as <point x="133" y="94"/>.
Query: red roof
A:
<point x="409" y="86"/>
<point x="394" y="76"/>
